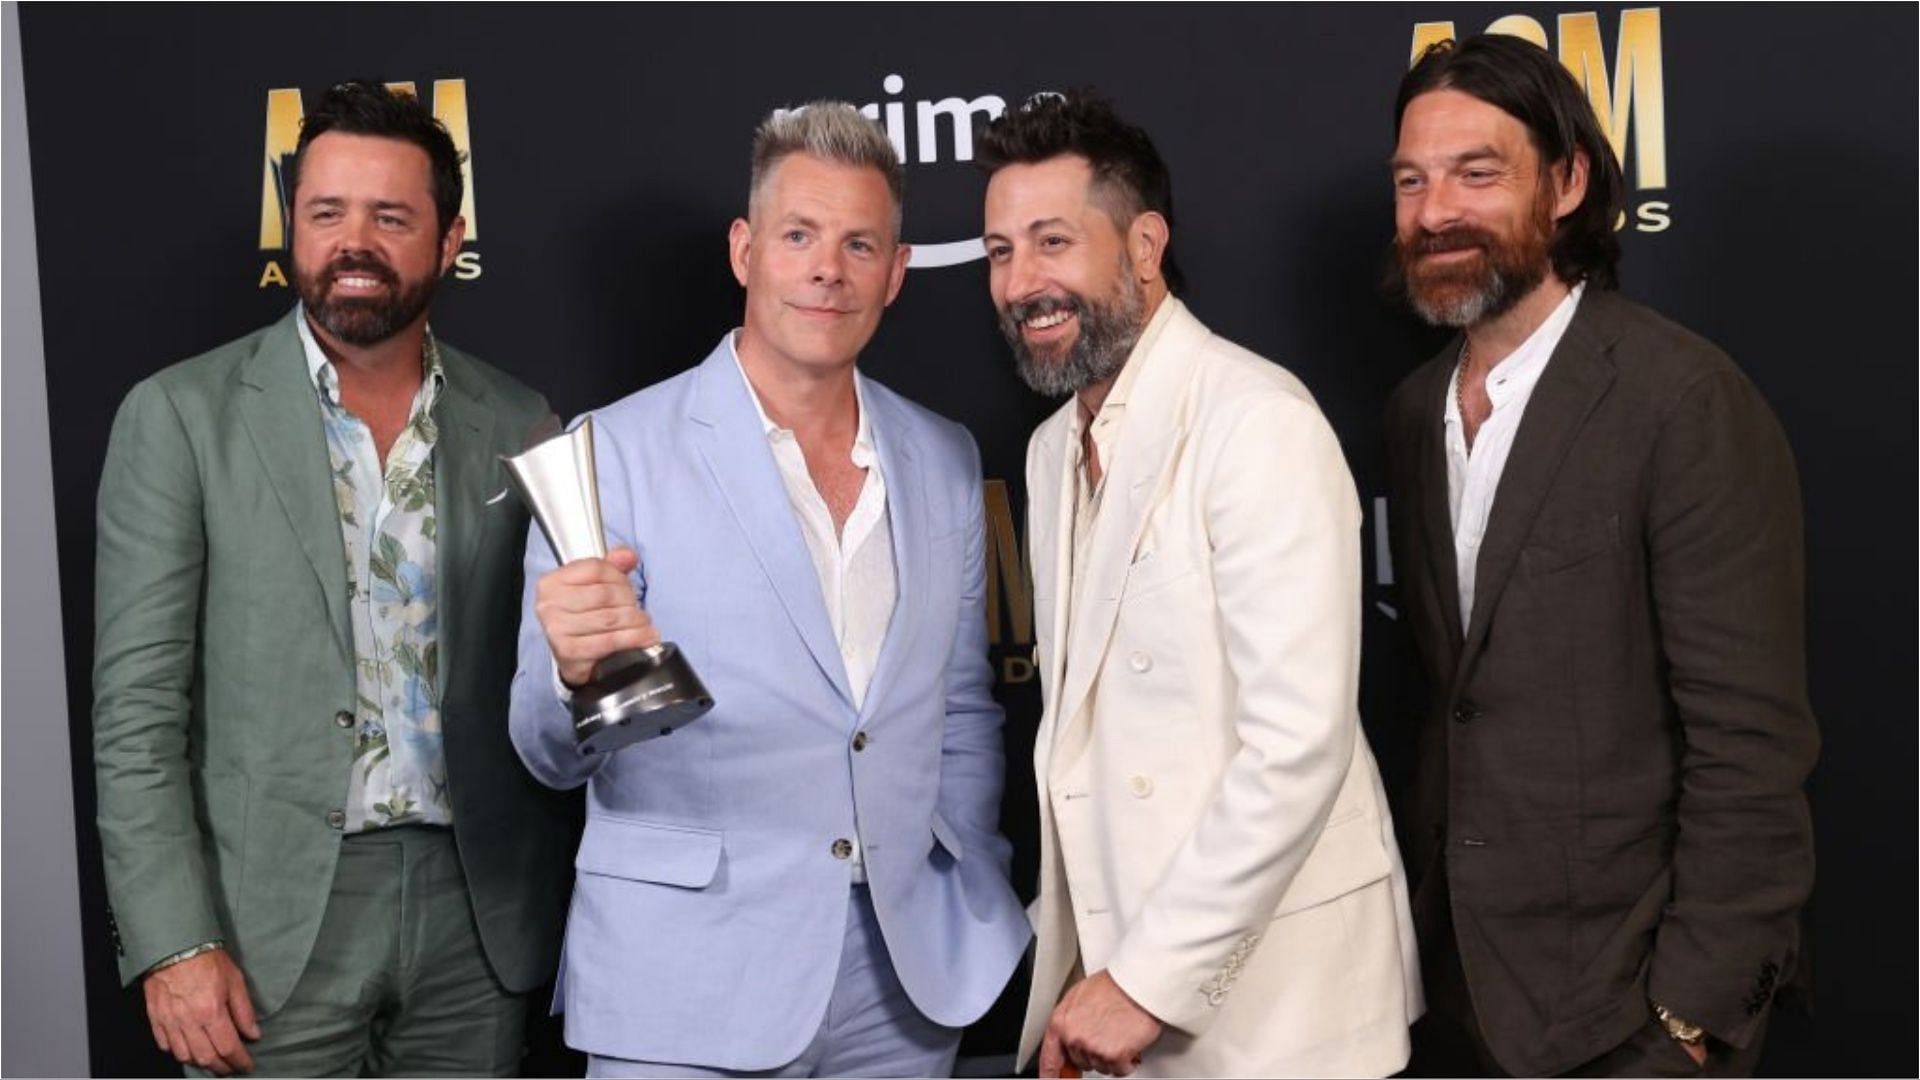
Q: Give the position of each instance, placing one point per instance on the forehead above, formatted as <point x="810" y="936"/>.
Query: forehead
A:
<point x="807" y="186"/>
<point x="1443" y="123"/>
<point x="1019" y="194"/>
<point x="338" y="164"/>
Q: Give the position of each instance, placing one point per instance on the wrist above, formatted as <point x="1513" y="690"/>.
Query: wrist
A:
<point x="186" y="954"/>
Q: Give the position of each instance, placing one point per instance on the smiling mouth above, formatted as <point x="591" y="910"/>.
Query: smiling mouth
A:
<point x="358" y="281"/>
<point x="1047" y="320"/>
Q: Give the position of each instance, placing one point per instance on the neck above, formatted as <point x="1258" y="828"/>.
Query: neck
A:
<point x="394" y="364"/>
<point x="811" y="402"/>
<point x="1490" y="342"/>
<point x="1094" y="395"/>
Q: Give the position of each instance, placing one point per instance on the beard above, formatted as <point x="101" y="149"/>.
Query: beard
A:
<point x="1108" y="330"/>
<point x="362" y="321"/>
<point x="1471" y="291"/>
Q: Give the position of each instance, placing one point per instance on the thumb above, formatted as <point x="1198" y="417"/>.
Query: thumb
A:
<point x="623" y="559"/>
<point x="240" y="1005"/>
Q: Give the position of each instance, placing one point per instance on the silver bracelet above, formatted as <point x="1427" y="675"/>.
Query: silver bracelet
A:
<point x="188" y="954"/>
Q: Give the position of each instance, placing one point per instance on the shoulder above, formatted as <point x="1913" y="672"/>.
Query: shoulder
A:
<point x="1233" y="387"/>
<point x="950" y="443"/>
<point x="199" y="386"/>
<point x="643" y="409"/>
<point x="505" y="392"/>
<point x="1649" y="348"/>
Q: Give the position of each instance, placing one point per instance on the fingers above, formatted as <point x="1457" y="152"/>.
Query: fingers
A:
<point x="203" y="1054"/>
<point x="240" y="1006"/>
<point x="589" y="611"/>
<point x="1051" y="1057"/>
<point x="228" y="1047"/>
<point x="624" y="559"/>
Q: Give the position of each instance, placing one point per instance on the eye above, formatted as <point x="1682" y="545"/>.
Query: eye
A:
<point x="325" y="214"/>
<point x="1479" y="176"/>
<point x="794" y="236"/>
<point x="999" y="252"/>
<point x="391" y="221"/>
<point x="1407" y="183"/>
<point x="862" y="247"/>
<point x="1053" y="242"/>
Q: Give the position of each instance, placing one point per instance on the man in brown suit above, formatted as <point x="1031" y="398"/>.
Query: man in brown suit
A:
<point x="1597" y="524"/>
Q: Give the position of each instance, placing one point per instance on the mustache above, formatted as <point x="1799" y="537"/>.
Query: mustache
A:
<point x="1021" y="311"/>
<point x="361" y="263"/>
<point x="1464" y="238"/>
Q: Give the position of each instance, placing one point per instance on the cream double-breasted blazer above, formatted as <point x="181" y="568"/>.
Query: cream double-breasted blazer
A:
<point x="1213" y="829"/>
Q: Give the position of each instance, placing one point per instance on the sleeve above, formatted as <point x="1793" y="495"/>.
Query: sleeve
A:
<point x="151" y="558"/>
<point x="1284" y="525"/>
<point x="972" y="757"/>
<point x="1727" y="572"/>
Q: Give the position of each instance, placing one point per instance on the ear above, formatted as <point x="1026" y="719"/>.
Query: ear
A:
<point x="450" y="243"/>
<point x="739" y="241"/>
<point x="902" y="255"/>
<point x="1570" y="184"/>
<point x="1147" y="243"/>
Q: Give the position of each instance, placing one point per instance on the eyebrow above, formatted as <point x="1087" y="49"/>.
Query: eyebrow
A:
<point x="1483" y="152"/>
<point x="1035" y="226"/>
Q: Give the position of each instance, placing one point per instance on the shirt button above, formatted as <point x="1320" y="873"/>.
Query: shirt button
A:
<point x="1141" y="786"/>
<point x="842" y="848"/>
<point x="1465" y="713"/>
<point x="1140" y="662"/>
<point x="343" y="718"/>
<point x="336" y="819"/>
<point x="859" y="741"/>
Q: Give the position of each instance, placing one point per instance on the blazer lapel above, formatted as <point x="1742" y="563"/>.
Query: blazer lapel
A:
<point x="466" y="474"/>
<point x="1050" y="532"/>
<point x="906" y="484"/>
<point x="1575" y="380"/>
<point x="731" y="442"/>
<point x="282" y="417"/>
<point x="1436" y="518"/>
<point x="1150" y="434"/>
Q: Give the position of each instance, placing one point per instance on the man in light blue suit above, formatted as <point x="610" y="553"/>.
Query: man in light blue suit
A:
<point x="809" y="880"/>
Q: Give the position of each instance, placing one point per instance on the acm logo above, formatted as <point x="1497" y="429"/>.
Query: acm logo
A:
<point x="1629" y="96"/>
<point x="285" y="110"/>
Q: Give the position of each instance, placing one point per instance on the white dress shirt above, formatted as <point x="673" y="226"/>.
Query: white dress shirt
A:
<point x="1474" y="478"/>
<point x="854" y="564"/>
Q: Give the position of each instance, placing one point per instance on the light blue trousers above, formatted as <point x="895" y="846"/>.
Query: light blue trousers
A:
<point x="871" y="1027"/>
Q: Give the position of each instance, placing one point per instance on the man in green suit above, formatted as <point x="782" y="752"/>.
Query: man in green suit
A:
<point x="322" y="855"/>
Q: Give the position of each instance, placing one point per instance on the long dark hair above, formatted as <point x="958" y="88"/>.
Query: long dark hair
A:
<point x="1520" y="79"/>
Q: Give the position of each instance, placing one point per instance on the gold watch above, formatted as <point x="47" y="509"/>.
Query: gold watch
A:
<point x="1681" y="1030"/>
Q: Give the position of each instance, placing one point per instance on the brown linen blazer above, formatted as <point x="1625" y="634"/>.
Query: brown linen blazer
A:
<point x="1609" y="803"/>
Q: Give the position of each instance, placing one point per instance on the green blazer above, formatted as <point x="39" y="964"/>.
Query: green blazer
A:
<point x="223" y="657"/>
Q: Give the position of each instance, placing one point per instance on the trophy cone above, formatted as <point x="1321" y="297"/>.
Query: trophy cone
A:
<point x="633" y="695"/>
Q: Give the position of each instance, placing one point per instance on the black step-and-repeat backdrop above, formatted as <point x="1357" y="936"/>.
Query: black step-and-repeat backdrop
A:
<point x="1769" y="150"/>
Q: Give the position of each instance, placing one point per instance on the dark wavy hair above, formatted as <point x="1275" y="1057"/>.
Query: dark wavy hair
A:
<point x="365" y="107"/>
<point x="1522" y="80"/>
<point x="1128" y="175"/>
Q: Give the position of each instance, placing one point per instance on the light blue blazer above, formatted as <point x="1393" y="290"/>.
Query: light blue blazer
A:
<point x="709" y="907"/>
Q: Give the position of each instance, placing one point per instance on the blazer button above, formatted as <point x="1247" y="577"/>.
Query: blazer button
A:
<point x="1140" y="662"/>
<point x="1141" y="786"/>
<point x="842" y="848"/>
<point x="343" y="718"/>
<point x="1466" y="712"/>
<point x="336" y="819"/>
<point x="859" y="741"/>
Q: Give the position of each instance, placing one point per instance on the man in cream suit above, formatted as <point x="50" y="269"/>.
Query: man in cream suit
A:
<point x="1219" y="889"/>
<point x="810" y="879"/>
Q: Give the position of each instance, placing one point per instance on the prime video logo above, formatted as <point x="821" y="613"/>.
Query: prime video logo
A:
<point x="947" y="123"/>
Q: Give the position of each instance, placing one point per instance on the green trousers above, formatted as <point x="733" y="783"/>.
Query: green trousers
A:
<point x="398" y="984"/>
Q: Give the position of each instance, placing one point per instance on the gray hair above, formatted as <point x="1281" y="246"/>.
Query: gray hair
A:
<point x="832" y="131"/>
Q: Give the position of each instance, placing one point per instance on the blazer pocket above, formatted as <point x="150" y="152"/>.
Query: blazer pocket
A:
<point x="944" y="836"/>
<point x="1154" y="571"/>
<point x="1564" y="549"/>
<point x="1347" y="856"/>
<point x="642" y="851"/>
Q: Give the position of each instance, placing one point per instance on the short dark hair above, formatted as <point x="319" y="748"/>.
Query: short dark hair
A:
<point x="365" y="107"/>
<point x="1522" y="80"/>
<point x="1128" y="175"/>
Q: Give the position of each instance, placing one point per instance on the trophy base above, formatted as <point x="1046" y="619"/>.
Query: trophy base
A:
<point x="635" y="696"/>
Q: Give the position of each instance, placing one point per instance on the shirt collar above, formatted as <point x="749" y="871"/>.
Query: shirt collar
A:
<point x="327" y="381"/>
<point x="862" y="435"/>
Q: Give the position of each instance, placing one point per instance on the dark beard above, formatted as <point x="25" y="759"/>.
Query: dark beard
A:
<point x="1475" y="291"/>
<point x="362" y="322"/>
<point x="1108" y="332"/>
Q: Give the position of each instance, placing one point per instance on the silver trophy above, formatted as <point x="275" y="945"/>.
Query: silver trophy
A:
<point x="634" y="694"/>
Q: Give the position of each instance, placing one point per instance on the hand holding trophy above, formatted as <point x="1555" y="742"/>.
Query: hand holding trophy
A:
<point x="632" y="694"/>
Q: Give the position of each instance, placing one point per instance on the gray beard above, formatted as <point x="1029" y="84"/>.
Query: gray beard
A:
<point x="1108" y="333"/>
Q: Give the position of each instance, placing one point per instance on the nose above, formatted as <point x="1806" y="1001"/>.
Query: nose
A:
<point x="1022" y="276"/>
<point x="1439" y="208"/>
<point x="828" y="265"/>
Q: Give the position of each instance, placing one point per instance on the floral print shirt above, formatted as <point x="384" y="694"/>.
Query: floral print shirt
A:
<point x="399" y="773"/>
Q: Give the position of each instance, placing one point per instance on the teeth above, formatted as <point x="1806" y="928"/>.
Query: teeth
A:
<point x="1042" y="322"/>
<point x="359" y="282"/>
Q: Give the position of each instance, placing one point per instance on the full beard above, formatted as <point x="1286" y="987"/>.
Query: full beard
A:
<point x="1107" y="333"/>
<point x="362" y="321"/>
<point x="1472" y="291"/>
